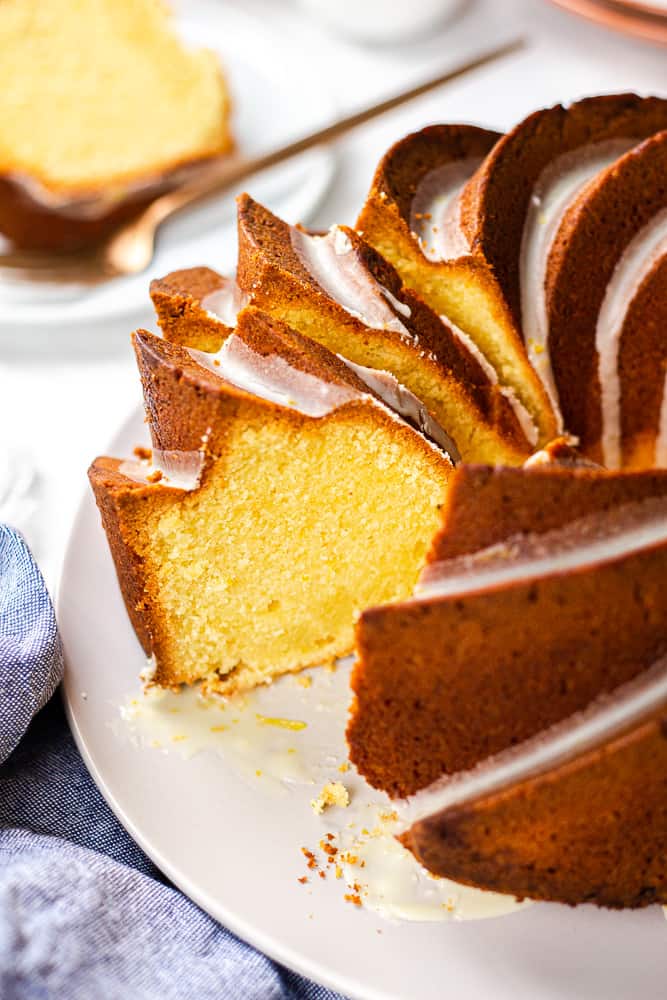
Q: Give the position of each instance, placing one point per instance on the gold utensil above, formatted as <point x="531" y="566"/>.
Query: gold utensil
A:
<point x="130" y="249"/>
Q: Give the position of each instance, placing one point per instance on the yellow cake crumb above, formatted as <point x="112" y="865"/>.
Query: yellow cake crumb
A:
<point x="334" y="793"/>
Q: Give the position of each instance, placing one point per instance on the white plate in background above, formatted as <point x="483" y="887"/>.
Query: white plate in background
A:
<point x="271" y="106"/>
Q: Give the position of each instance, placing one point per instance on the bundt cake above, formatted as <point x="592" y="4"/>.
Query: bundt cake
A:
<point x="336" y="289"/>
<point x="308" y="499"/>
<point x="509" y="615"/>
<point x="102" y="108"/>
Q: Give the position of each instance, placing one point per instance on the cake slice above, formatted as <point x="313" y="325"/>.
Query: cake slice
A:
<point x="605" y="322"/>
<point x="283" y="497"/>
<point x="102" y="108"/>
<point x="543" y="589"/>
<point x="578" y="814"/>
<point x="337" y="290"/>
<point x="411" y="216"/>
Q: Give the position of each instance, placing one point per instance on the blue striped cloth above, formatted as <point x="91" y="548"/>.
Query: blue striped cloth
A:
<point x="83" y="912"/>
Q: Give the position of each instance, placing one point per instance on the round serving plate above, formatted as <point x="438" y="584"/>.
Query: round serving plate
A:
<point x="270" y="107"/>
<point x="232" y="841"/>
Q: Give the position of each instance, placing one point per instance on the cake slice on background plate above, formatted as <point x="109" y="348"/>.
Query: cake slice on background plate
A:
<point x="103" y="107"/>
<point x="337" y="290"/>
<point x="283" y="497"/>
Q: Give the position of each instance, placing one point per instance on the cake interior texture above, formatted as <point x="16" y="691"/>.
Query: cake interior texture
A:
<point x="237" y="604"/>
<point x="103" y="91"/>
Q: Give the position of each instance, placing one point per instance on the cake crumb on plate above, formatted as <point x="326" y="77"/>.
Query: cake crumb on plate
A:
<point x="334" y="793"/>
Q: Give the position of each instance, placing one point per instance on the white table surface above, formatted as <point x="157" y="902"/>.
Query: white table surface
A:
<point x="64" y="392"/>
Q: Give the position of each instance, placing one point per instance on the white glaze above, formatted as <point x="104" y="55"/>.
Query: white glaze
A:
<point x="339" y="270"/>
<point x="226" y="302"/>
<point x="271" y="377"/>
<point x="180" y="470"/>
<point x="406" y="404"/>
<point x="639" y="257"/>
<point x="188" y="723"/>
<point x="608" y="716"/>
<point x="275" y="760"/>
<point x="555" y="191"/>
<point x="524" y="419"/>
<point x="553" y="552"/>
<point x="435" y="210"/>
<point x="274" y="379"/>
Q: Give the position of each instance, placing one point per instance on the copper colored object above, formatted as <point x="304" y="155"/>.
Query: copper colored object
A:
<point x="642" y="20"/>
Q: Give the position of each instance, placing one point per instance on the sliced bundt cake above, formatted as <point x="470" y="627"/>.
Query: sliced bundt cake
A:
<point x="509" y="618"/>
<point x="337" y="290"/>
<point x="309" y="499"/>
<point x="102" y="106"/>
<point x="544" y="588"/>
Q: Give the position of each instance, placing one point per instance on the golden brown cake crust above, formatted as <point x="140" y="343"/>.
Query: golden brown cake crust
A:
<point x="271" y="272"/>
<point x="442" y="683"/>
<point x="642" y="345"/>
<point x="607" y="215"/>
<point x="177" y="301"/>
<point x="384" y="221"/>
<point x="495" y="200"/>
<point x="485" y="505"/>
<point x="122" y="503"/>
<point x="534" y="838"/>
<point x="407" y="162"/>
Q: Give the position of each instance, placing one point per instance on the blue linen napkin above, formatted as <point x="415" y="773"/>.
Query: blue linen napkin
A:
<point x="83" y="912"/>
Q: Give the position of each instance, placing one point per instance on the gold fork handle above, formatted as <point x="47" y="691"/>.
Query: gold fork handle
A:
<point x="228" y="173"/>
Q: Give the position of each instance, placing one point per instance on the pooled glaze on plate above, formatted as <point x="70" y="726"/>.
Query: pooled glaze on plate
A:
<point x="268" y="737"/>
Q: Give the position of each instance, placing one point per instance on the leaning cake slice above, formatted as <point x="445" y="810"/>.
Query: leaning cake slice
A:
<point x="284" y="496"/>
<point x="337" y="290"/>
<point x="412" y="217"/>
